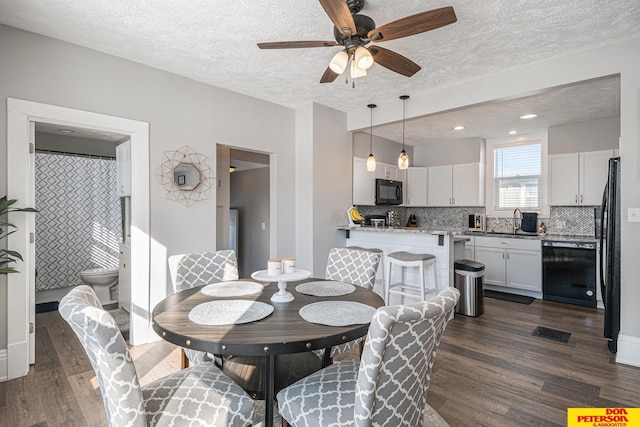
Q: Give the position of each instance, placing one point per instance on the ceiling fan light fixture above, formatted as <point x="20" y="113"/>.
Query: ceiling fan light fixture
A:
<point x="357" y="71"/>
<point x="403" y="159"/>
<point x="364" y="59"/>
<point x="339" y="62"/>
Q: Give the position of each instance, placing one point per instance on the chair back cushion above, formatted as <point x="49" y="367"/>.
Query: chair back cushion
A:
<point x="397" y="360"/>
<point x="202" y="268"/>
<point x="102" y="341"/>
<point x="355" y="266"/>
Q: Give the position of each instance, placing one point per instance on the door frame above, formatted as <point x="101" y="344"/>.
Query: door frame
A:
<point x="21" y="115"/>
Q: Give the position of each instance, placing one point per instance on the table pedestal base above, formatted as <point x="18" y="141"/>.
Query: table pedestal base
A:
<point x="282" y="295"/>
<point x="248" y="371"/>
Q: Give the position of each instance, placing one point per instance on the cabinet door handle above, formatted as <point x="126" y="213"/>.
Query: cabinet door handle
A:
<point x="576" y="199"/>
<point x="453" y="201"/>
<point x="581" y="199"/>
<point x="502" y="255"/>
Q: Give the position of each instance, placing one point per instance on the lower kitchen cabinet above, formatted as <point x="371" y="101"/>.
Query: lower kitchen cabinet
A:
<point x="513" y="263"/>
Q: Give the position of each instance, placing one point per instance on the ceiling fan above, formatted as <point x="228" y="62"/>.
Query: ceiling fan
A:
<point x="354" y="32"/>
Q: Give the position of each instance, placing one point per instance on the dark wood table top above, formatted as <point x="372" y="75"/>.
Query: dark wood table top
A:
<point x="282" y="332"/>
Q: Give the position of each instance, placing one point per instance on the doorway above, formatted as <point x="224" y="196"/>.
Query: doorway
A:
<point x="21" y="119"/>
<point x="244" y="206"/>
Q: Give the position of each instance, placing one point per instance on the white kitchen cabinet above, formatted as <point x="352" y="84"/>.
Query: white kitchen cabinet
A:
<point x="578" y="179"/>
<point x="387" y="171"/>
<point x="416" y="186"/>
<point x="456" y="185"/>
<point x="512" y="263"/>
<point x="363" y="183"/>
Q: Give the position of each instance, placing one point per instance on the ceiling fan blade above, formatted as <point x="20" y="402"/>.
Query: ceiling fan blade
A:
<point x="394" y="61"/>
<point x="414" y="24"/>
<point x="296" y="44"/>
<point x="328" y="76"/>
<point x="340" y="15"/>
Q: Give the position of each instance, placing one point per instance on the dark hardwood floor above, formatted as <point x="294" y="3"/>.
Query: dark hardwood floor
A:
<point x="489" y="371"/>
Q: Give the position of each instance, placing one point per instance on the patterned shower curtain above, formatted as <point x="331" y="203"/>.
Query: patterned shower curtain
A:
<point x="78" y="224"/>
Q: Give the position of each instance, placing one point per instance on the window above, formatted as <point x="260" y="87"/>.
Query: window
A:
<point x="517" y="176"/>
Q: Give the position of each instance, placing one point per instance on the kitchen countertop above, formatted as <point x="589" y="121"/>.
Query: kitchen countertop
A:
<point x="458" y="235"/>
<point x="554" y="237"/>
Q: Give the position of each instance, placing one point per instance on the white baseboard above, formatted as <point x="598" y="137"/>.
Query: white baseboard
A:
<point x="628" y="350"/>
<point x="3" y="365"/>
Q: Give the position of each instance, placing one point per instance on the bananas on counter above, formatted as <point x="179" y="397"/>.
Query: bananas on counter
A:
<point x="355" y="215"/>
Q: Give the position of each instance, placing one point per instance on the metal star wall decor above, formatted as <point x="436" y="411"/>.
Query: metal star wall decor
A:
<point x="185" y="176"/>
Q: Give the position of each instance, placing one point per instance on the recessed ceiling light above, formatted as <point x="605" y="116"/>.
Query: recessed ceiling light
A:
<point x="458" y="128"/>
<point x="65" y="130"/>
<point x="512" y="132"/>
<point x="529" y="116"/>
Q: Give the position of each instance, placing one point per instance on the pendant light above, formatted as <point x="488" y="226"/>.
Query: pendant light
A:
<point x="403" y="160"/>
<point x="371" y="161"/>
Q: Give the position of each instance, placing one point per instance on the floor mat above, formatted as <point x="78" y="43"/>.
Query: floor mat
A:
<point x="520" y="299"/>
<point x="46" y="306"/>
<point x="552" y="334"/>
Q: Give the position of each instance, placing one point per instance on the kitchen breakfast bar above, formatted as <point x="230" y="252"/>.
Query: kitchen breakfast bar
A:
<point x="446" y="248"/>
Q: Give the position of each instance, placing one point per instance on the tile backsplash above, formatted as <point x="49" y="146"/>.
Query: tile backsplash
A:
<point x="564" y="220"/>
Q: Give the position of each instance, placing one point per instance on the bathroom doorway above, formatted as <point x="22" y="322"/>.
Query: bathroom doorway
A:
<point x="22" y="117"/>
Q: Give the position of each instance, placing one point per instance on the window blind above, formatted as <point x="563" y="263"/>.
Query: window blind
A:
<point x="517" y="176"/>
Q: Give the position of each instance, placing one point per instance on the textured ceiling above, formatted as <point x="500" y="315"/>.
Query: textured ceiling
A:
<point x="215" y="42"/>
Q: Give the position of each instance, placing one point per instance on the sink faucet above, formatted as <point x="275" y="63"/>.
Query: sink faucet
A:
<point x="517" y="214"/>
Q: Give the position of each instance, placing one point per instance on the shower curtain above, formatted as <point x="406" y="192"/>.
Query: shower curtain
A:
<point x="78" y="220"/>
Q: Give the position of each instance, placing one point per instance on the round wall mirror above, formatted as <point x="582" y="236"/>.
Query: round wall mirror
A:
<point x="186" y="176"/>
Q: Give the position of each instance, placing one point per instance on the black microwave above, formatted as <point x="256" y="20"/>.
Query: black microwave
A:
<point x="388" y="192"/>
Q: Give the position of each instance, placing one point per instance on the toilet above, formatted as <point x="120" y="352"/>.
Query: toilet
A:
<point x="100" y="279"/>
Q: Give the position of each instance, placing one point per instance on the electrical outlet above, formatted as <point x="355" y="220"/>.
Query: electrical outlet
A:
<point x="562" y="225"/>
<point x="633" y="214"/>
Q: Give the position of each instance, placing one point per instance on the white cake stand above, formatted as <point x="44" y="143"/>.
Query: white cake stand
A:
<point x="282" y="295"/>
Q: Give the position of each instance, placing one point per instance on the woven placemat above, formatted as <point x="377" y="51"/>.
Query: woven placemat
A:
<point x="232" y="289"/>
<point x="326" y="288"/>
<point x="337" y="313"/>
<point x="229" y="312"/>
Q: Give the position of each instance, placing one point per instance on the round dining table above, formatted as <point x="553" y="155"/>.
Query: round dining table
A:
<point x="283" y="332"/>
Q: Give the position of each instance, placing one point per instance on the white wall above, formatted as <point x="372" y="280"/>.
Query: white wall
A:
<point x="449" y="152"/>
<point x="324" y="148"/>
<point x="593" y="135"/>
<point x="384" y="150"/>
<point x="180" y="112"/>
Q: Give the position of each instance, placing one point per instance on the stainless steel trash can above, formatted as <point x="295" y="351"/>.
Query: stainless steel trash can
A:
<point x="469" y="280"/>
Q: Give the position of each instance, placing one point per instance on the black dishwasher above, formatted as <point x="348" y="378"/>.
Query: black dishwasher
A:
<point x="569" y="272"/>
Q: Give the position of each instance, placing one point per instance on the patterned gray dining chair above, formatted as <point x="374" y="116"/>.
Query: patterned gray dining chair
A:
<point x="201" y="395"/>
<point x="353" y="265"/>
<point x="197" y="269"/>
<point x="389" y="386"/>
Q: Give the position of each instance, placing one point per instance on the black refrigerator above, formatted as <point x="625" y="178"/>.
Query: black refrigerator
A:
<point x="610" y="254"/>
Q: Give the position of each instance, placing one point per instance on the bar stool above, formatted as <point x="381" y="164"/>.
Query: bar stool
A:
<point x="406" y="260"/>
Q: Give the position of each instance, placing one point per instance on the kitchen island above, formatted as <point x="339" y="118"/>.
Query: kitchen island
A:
<point x="446" y="247"/>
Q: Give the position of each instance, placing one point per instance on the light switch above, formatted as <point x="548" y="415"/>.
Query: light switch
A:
<point x="264" y="226"/>
<point x="633" y="215"/>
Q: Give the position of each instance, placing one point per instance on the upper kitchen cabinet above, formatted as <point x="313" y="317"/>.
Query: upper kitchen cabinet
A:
<point x="578" y="179"/>
<point x="456" y="185"/>
<point x="416" y="186"/>
<point x="363" y="183"/>
<point x="387" y="171"/>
